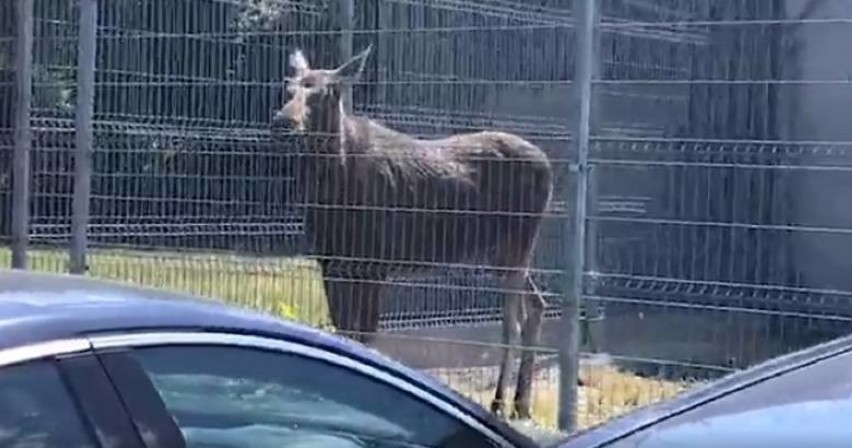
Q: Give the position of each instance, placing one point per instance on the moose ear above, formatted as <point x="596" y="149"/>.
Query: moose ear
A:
<point x="299" y="62"/>
<point x="352" y="69"/>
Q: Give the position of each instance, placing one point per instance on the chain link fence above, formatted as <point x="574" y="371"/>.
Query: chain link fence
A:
<point x="700" y="144"/>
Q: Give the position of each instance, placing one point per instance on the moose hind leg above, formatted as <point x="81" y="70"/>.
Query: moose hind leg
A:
<point x="510" y="330"/>
<point x="530" y="339"/>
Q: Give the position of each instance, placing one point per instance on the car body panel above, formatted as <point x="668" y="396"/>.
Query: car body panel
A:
<point x="760" y="406"/>
<point x="37" y="308"/>
<point x="98" y="401"/>
<point x="67" y="372"/>
<point x="141" y="400"/>
<point x="40" y="307"/>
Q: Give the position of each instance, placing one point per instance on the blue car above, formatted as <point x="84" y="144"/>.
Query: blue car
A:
<point x="88" y="363"/>
<point x="799" y="400"/>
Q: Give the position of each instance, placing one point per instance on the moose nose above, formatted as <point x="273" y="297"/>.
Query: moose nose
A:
<point x="282" y="125"/>
<point x="280" y="121"/>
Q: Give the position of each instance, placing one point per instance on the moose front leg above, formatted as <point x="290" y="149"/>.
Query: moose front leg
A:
<point x="338" y="292"/>
<point x="343" y="315"/>
<point x="368" y="293"/>
<point x="353" y="305"/>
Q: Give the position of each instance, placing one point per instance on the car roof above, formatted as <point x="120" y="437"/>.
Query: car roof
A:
<point x="40" y="307"/>
<point x="750" y="403"/>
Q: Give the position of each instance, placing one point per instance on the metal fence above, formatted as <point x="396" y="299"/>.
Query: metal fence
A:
<point x="700" y="144"/>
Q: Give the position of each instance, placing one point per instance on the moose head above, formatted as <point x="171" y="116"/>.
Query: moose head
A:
<point x="315" y="106"/>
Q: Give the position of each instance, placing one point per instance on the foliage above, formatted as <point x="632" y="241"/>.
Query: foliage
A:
<point x="255" y="15"/>
<point x="286" y="311"/>
<point x="607" y="392"/>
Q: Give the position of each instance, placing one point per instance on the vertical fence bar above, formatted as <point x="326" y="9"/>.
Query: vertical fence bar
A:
<point x="569" y="350"/>
<point x="23" y="135"/>
<point x="346" y="18"/>
<point x="593" y="310"/>
<point x="84" y="136"/>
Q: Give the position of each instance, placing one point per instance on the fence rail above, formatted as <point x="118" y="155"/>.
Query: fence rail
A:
<point x="699" y="152"/>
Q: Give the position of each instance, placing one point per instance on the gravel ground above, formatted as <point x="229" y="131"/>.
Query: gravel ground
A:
<point x="540" y="434"/>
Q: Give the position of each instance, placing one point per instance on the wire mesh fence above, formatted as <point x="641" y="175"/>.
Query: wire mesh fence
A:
<point x="711" y="156"/>
<point x="717" y="175"/>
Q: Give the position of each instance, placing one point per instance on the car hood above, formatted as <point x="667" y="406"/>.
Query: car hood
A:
<point x="824" y="423"/>
<point x="801" y="399"/>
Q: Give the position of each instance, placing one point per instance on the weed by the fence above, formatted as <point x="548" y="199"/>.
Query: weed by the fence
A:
<point x="607" y="392"/>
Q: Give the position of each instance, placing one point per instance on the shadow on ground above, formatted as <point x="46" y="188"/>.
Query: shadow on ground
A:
<point x="673" y="344"/>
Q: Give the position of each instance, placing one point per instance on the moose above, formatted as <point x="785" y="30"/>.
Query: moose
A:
<point x="379" y="203"/>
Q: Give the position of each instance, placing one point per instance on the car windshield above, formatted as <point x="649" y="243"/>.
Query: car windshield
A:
<point x="269" y="414"/>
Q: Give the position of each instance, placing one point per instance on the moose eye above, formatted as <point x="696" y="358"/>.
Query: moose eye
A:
<point x="308" y="83"/>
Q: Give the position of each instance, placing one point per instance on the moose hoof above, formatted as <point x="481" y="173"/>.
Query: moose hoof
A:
<point x="497" y="409"/>
<point x="521" y="414"/>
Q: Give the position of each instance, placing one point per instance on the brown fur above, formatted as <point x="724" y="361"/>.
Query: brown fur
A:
<point x="380" y="203"/>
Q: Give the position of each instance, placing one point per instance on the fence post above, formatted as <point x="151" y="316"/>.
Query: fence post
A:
<point x="86" y="47"/>
<point x="346" y="17"/>
<point x="23" y="135"/>
<point x="569" y="350"/>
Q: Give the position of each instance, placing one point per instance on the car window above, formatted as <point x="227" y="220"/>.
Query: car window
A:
<point x="240" y="397"/>
<point x="36" y="409"/>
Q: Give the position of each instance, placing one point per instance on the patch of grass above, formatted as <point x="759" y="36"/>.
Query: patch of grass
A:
<point x="607" y="392"/>
<point x="287" y="287"/>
